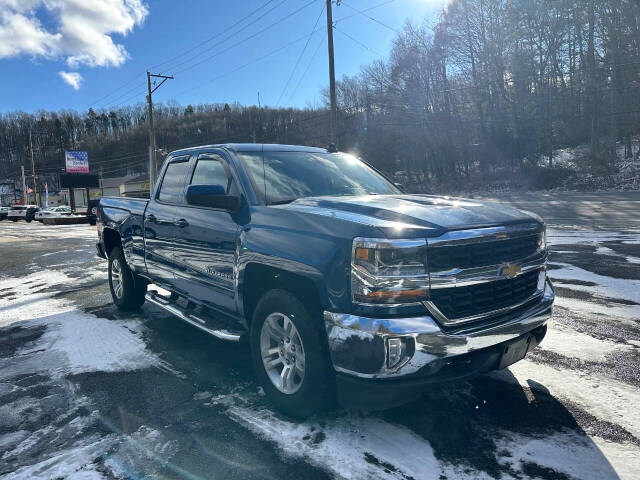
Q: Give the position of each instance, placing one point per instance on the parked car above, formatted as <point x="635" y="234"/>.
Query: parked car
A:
<point x="43" y="213"/>
<point x="92" y="210"/>
<point x="338" y="282"/>
<point x="3" y="212"/>
<point x="22" y="212"/>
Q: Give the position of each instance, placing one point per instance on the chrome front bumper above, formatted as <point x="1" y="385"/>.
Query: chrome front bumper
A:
<point x="359" y="345"/>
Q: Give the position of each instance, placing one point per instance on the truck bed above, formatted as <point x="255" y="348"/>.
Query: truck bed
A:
<point x="135" y="206"/>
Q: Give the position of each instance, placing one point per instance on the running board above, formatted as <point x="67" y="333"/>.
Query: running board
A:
<point x="170" y="307"/>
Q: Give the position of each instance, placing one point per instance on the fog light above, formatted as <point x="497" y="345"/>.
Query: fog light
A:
<point x="395" y="351"/>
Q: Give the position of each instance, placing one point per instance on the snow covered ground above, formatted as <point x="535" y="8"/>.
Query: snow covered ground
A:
<point x="89" y="393"/>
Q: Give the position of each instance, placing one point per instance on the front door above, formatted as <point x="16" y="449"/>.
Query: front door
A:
<point x="205" y="246"/>
<point x="160" y="221"/>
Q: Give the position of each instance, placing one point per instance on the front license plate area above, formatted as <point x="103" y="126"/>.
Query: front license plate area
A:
<point x="514" y="352"/>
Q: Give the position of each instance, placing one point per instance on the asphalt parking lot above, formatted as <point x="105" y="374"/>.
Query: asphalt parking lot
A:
<point x="87" y="392"/>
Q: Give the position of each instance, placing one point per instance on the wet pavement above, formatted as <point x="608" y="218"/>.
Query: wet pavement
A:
<point x="87" y="392"/>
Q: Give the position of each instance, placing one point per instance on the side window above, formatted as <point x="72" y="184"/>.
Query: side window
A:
<point x="211" y="171"/>
<point x="172" y="188"/>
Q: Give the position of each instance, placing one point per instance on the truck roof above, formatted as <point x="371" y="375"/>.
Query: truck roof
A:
<point x="256" y="147"/>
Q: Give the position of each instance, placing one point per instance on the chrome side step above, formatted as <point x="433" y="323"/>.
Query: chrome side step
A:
<point x="167" y="305"/>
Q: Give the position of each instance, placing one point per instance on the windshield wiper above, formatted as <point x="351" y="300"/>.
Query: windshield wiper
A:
<point x="282" y="202"/>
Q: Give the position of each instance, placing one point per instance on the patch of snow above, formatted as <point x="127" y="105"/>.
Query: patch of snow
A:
<point x="611" y="253"/>
<point x="11" y="439"/>
<point x="619" y="313"/>
<point x="570" y="343"/>
<point x="85" y="343"/>
<point x="36" y="230"/>
<point x="73" y="342"/>
<point x="589" y="237"/>
<point x="615" y="288"/>
<point x="73" y="464"/>
<point x="624" y="457"/>
<point x="343" y="445"/>
<point x="559" y="453"/>
<point x="142" y="454"/>
<point x="605" y="398"/>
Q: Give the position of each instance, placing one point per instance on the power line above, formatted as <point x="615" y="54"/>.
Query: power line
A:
<point x="347" y="17"/>
<point x="361" y="12"/>
<point x="358" y="42"/>
<point x="195" y="47"/>
<point x="273" y="52"/>
<point x="183" y="53"/>
<point x="114" y="91"/>
<point x="315" y="53"/>
<point x="127" y="97"/>
<point x="246" y="39"/>
<point x="293" y="71"/>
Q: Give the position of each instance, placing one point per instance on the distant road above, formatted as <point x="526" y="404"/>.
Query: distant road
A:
<point x="598" y="210"/>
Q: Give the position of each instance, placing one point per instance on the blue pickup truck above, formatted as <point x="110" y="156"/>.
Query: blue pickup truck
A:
<point x="341" y="285"/>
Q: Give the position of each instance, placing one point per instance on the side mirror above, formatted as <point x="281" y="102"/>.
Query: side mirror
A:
<point x="213" y="196"/>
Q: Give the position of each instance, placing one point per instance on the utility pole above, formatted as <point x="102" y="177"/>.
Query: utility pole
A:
<point x="33" y="172"/>
<point x="333" y="117"/>
<point x="153" y="159"/>
<point x="24" y="187"/>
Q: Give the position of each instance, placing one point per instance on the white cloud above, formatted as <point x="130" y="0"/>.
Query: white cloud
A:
<point x="82" y="34"/>
<point x="72" y="78"/>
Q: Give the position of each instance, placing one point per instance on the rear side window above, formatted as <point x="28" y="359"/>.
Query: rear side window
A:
<point x="172" y="188"/>
<point x="211" y="171"/>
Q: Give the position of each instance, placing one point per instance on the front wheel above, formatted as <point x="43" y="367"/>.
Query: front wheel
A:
<point x="288" y="355"/>
<point x="127" y="288"/>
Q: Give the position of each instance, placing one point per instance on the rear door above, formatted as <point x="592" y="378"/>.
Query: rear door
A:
<point x="205" y="244"/>
<point x="160" y="218"/>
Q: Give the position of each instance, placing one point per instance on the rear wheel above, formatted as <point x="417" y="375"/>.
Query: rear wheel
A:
<point x="127" y="288"/>
<point x="288" y="355"/>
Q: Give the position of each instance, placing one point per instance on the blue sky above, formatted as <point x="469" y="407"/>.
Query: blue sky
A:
<point x="64" y="54"/>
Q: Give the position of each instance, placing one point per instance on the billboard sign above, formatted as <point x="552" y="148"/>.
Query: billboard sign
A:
<point x="76" y="161"/>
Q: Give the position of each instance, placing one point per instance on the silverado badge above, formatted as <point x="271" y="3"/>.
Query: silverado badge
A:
<point x="510" y="270"/>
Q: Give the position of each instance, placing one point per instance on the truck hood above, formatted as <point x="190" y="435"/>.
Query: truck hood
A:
<point x="434" y="214"/>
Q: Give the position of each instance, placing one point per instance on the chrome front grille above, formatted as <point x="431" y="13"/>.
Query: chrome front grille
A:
<point x="484" y="253"/>
<point x="479" y="274"/>
<point x="480" y="298"/>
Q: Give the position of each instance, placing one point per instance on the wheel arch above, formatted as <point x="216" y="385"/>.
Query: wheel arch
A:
<point x="258" y="278"/>
<point x="111" y="239"/>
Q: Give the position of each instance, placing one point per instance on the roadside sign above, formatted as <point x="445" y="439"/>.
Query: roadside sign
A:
<point x="76" y="161"/>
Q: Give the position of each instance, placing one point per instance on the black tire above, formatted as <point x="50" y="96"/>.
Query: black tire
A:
<point x="28" y="220"/>
<point x="14" y="219"/>
<point x="317" y="391"/>
<point x="133" y="287"/>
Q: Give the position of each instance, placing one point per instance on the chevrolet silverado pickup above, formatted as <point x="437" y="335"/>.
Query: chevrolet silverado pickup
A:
<point x="341" y="285"/>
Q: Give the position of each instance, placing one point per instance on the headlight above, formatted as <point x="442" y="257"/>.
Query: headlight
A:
<point x="542" y="239"/>
<point x="389" y="271"/>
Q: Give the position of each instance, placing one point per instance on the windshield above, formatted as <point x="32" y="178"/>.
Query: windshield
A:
<point x="285" y="176"/>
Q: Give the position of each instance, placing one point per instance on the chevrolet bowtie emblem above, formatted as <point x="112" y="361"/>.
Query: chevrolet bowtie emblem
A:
<point x="510" y="270"/>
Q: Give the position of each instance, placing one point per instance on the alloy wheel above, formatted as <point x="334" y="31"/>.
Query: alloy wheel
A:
<point x="282" y="353"/>
<point x="116" y="277"/>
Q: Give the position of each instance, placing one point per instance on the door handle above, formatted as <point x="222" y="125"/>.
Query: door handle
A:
<point x="181" y="223"/>
<point x="151" y="218"/>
